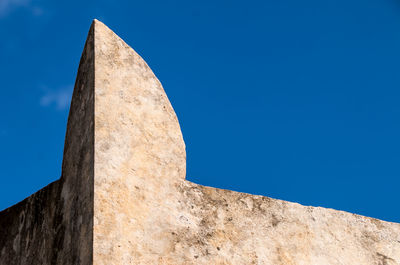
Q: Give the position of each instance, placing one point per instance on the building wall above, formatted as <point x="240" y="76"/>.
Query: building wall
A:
<point x="123" y="198"/>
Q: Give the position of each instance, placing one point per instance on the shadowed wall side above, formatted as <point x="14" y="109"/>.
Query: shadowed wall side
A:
<point x="55" y="225"/>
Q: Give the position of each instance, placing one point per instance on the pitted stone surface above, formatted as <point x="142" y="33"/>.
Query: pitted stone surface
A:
<point x="123" y="197"/>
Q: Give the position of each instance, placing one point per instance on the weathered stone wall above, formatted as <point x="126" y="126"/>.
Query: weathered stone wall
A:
<point x="123" y="197"/>
<point x="78" y="165"/>
<point x="139" y="150"/>
<point x="30" y="229"/>
<point x="147" y="213"/>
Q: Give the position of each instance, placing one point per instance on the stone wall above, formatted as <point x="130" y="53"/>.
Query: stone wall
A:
<point x="123" y="197"/>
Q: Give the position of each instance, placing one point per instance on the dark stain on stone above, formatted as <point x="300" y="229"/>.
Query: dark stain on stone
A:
<point x="383" y="259"/>
<point x="275" y="221"/>
<point x="58" y="243"/>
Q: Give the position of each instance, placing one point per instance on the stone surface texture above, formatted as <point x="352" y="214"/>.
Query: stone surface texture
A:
<point x="123" y="197"/>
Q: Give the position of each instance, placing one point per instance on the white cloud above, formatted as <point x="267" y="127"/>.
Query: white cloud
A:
<point x="59" y="98"/>
<point x="7" y="5"/>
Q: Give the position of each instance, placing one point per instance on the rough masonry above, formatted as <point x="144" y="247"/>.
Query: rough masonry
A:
<point x="123" y="198"/>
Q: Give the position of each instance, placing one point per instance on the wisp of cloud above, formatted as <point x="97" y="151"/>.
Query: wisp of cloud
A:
<point x="60" y="98"/>
<point x="7" y="5"/>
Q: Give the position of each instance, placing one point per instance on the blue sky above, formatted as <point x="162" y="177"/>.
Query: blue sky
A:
<point x="296" y="100"/>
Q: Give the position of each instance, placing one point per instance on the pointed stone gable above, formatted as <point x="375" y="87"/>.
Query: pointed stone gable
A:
<point x="123" y="198"/>
<point x="139" y="152"/>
